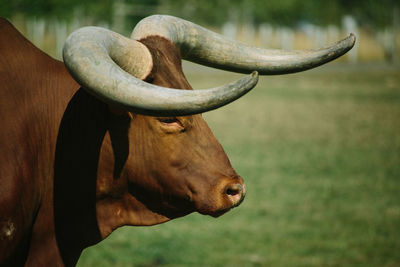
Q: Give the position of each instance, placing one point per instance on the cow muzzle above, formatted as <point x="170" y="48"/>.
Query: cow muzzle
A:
<point x="224" y="199"/>
<point x="235" y="193"/>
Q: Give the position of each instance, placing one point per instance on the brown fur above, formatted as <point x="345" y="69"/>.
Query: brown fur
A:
<point x="72" y="169"/>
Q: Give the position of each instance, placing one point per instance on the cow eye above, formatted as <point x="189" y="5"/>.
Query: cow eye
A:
<point x="168" y="119"/>
<point x="171" y="121"/>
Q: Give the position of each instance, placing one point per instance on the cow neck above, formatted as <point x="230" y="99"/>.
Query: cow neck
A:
<point x="79" y="141"/>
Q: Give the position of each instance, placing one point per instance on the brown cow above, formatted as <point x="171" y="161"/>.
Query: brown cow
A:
<point x="75" y="164"/>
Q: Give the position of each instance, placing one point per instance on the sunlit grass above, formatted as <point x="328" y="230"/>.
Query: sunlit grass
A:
<point x="320" y="154"/>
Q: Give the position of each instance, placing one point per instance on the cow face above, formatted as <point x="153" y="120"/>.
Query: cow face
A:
<point x="155" y="169"/>
<point x="183" y="166"/>
<point x="183" y="163"/>
<point x="166" y="167"/>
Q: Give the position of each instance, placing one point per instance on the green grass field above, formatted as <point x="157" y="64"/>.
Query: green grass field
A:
<point x="320" y="154"/>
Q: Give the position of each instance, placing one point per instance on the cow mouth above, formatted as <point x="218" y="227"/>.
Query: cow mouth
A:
<point x="235" y="200"/>
<point x="223" y="211"/>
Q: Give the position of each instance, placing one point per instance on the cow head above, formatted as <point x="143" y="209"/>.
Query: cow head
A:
<point x="181" y="160"/>
<point x="175" y="165"/>
<point x="172" y="164"/>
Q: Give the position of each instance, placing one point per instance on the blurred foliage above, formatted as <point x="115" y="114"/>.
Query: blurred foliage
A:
<point x="60" y="9"/>
<point x="372" y="13"/>
<point x="375" y="13"/>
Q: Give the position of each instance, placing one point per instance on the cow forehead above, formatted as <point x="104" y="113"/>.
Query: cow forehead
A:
<point x="167" y="63"/>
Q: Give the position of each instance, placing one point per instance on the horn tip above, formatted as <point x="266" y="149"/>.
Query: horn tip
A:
<point x="352" y="38"/>
<point x="254" y="74"/>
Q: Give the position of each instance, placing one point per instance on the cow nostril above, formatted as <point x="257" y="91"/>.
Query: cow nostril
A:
<point x="233" y="190"/>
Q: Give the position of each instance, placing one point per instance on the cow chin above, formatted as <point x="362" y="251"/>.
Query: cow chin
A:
<point x="219" y="212"/>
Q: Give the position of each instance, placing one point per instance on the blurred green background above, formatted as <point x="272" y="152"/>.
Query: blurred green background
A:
<point x="319" y="150"/>
<point x="320" y="155"/>
<point x="287" y="24"/>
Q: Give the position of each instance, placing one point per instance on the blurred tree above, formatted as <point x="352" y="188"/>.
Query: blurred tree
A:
<point x="373" y="13"/>
<point x="138" y="9"/>
<point x="100" y="10"/>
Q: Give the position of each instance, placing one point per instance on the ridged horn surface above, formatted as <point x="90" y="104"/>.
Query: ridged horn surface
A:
<point x="100" y="60"/>
<point x="205" y="47"/>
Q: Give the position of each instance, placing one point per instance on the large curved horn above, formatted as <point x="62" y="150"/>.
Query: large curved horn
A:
<point x="202" y="46"/>
<point x="99" y="60"/>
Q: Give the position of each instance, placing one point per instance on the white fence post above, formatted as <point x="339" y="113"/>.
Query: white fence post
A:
<point x="333" y="33"/>
<point x="265" y="33"/>
<point x="229" y="29"/>
<point x="320" y="37"/>
<point x="61" y="35"/>
<point x="287" y="38"/>
<point x="119" y="15"/>
<point x="248" y="33"/>
<point x="350" y="26"/>
<point x="36" y="30"/>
